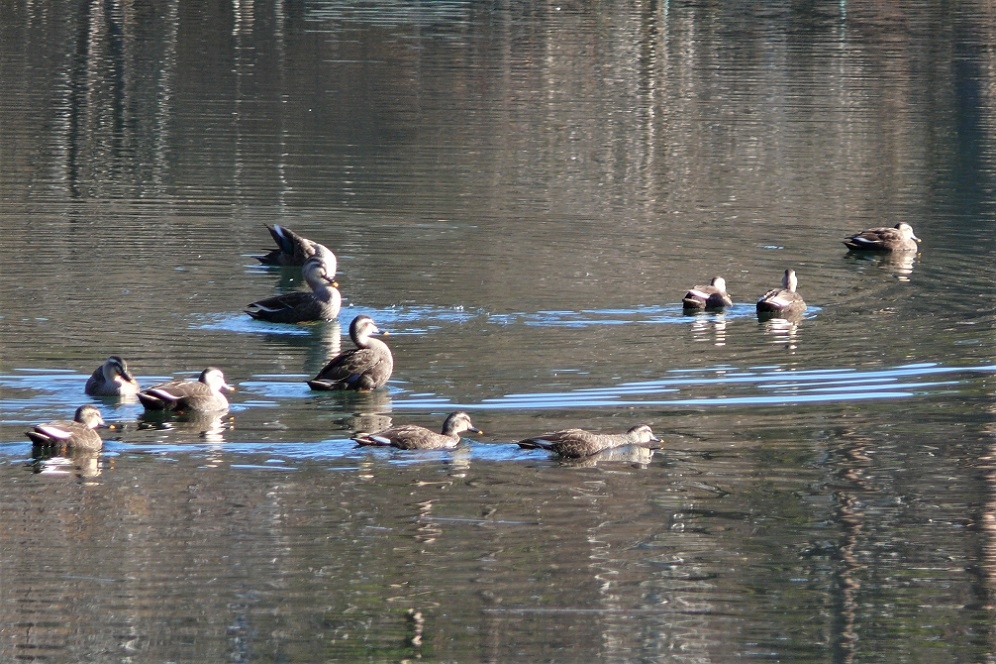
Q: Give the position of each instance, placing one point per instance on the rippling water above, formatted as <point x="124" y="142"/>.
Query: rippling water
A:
<point x="520" y="196"/>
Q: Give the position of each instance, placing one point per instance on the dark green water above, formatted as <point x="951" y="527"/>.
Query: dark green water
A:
<point x="520" y="195"/>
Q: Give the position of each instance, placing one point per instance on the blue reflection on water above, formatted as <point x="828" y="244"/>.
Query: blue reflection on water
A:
<point x="425" y="319"/>
<point x="35" y="396"/>
<point x="396" y="320"/>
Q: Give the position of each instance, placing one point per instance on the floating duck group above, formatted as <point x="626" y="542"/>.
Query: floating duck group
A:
<point x="786" y="302"/>
<point x="370" y="364"/>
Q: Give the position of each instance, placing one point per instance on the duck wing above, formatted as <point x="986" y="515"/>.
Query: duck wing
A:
<point x="173" y="395"/>
<point x="873" y="238"/>
<point x="292" y="249"/>
<point x="287" y="308"/>
<point x="360" y="368"/>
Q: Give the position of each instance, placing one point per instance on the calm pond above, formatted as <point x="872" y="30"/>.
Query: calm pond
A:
<point x="520" y="194"/>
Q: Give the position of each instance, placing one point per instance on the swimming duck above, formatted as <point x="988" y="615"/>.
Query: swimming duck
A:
<point x="577" y="443"/>
<point x="413" y="437"/>
<point x="112" y="378"/>
<point x="321" y="303"/>
<point x="80" y="434"/>
<point x="201" y="395"/>
<point x="784" y="301"/>
<point x="713" y="296"/>
<point x="898" y="238"/>
<point x="366" y="367"/>
<point x="292" y="249"/>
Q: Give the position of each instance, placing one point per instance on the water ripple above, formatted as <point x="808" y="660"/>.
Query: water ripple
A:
<point x="762" y="387"/>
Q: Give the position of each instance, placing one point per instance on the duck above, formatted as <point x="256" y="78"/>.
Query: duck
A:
<point x="784" y="301"/>
<point x="202" y="395"/>
<point x="292" y="249"/>
<point x="79" y="435"/>
<point x="111" y="378"/>
<point x="366" y="367"/>
<point x="414" y="437"/>
<point x="322" y="302"/>
<point x="898" y="238"/>
<point x="578" y="443"/>
<point x="713" y="296"/>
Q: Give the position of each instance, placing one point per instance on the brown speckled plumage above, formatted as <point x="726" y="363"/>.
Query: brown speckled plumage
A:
<point x="366" y="367"/>
<point x="292" y="249"/>
<point x="413" y="437"/>
<point x="713" y="296"/>
<point x="576" y="443"/>
<point x="784" y="301"/>
<point x="201" y="395"/>
<point x="322" y="302"/>
<point x="80" y="434"/>
<point x="898" y="238"/>
<point x="111" y="378"/>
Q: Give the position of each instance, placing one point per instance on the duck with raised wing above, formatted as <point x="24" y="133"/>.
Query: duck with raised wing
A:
<point x="713" y="296"/>
<point x="201" y="395"/>
<point x="414" y="437"/>
<point x="112" y="378"/>
<point x="366" y="367"/>
<point x="292" y="249"/>
<point x="784" y="301"/>
<point x="79" y="435"/>
<point x="898" y="238"/>
<point x="322" y="302"/>
<point x="577" y="443"/>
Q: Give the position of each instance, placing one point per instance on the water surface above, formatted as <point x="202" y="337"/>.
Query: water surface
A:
<point x="520" y="196"/>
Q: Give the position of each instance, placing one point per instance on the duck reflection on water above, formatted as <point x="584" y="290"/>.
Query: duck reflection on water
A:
<point x="635" y="455"/>
<point x="80" y="464"/>
<point x="210" y="427"/>
<point x="710" y="328"/>
<point x="899" y="264"/>
<point x="783" y="331"/>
